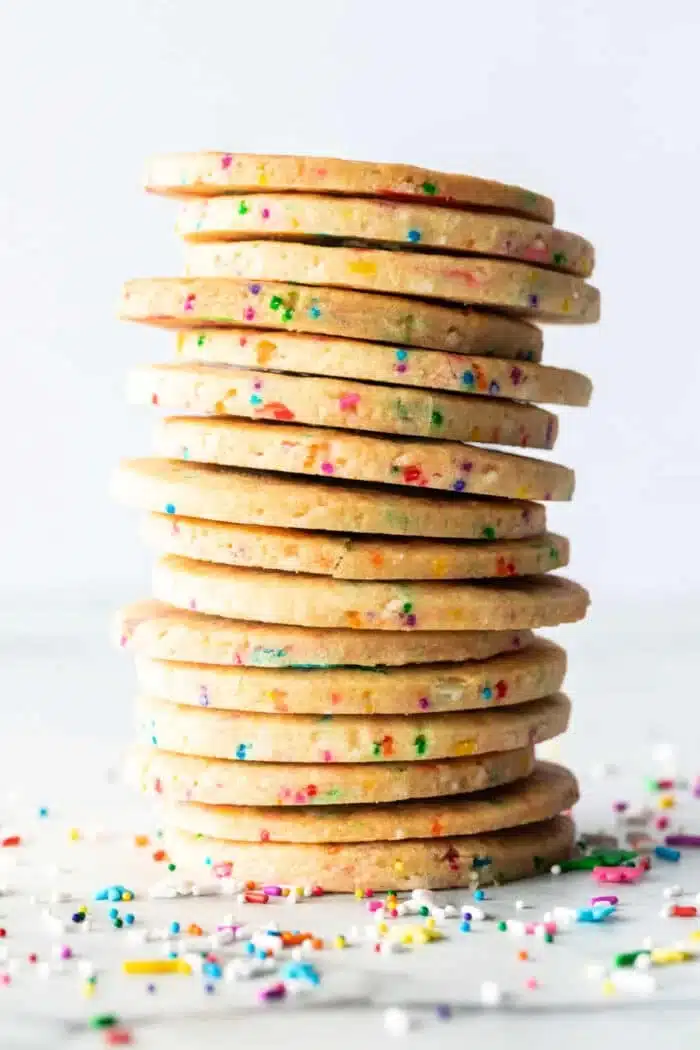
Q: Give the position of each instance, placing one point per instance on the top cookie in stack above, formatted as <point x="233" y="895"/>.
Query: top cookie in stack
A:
<point x="323" y="634"/>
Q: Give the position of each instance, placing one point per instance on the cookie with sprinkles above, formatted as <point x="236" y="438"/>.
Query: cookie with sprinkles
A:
<point x="224" y="494"/>
<point x="303" y="217"/>
<point x="157" y="631"/>
<point x="346" y="455"/>
<point x="352" y="558"/>
<point x="400" y="365"/>
<point x="187" y="778"/>
<point x="223" y="390"/>
<point x="317" y="601"/>
<point x="176" y="302"/>
<point x="499" y="681"/>
<point x="549" y="790"/>
<point x="209" y="174"/>
<point x="241" y="736"/>
<point x="502" y="284"/>
<point x="469" y="860"/>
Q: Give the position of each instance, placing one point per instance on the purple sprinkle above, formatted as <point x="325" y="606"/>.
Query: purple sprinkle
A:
<point x="683" y="840"/>
<point x="459" y="485"/>
<point x="607" y="899"/>
<point x="467" y="466"/>
<point x="424" y="703"/>
<point x="411" y="622"/>
<point x="254" y="288"/>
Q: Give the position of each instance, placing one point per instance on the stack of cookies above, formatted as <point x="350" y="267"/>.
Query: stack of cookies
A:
<point x="338" y="680"/>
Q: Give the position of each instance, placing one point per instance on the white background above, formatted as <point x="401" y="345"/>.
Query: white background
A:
<point x="593" y="103"/>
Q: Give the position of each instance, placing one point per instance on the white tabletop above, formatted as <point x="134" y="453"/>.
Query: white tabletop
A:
<point x="66" y="719"/>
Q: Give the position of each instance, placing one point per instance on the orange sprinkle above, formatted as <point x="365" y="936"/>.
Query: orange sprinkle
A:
<point x="194" y="930"/>
<point x="141" y="840"/>
<point x="523" y="956"/>
<point x="317" y="943"/>
<point x="159" y="854"/>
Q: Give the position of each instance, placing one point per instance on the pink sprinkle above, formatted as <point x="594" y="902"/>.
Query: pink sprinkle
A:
<point x="373" y="905"/>
<point x="123" y="640"/>
<point x="618" y="874"/>
<point x="349" y="402"/>
<point x="226" y="161"/>
<point x="327" y="467"/>
<point x="273" y="991"/>
<point x="400" y="368"/>
<point x="531" y="983"/>
<point x="223" y="870"/>
<point x="620" y="807"/>
<point x="66" y="951"/>
<point x="248" y="313"/>
<point x="189" y="302"/>
<point x="273" y="891"/>
<point x="265" y="213"/>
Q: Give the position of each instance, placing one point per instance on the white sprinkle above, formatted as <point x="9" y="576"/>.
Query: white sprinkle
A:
<point x="520" y="905"/>
<point x="491" y="994"/>
<point x="634" y="981"/>
<point x="596" y="970"/>
<point x="397" y="1021"/>
<point x="423" y="895"/>
<point x="669" y="892"/>
<point x="451" y="912"/>
<point x="555" y="869"/>
<point x="516" y="927"/>
<point x="437" y="913"/>
<point x="86" y="968"/>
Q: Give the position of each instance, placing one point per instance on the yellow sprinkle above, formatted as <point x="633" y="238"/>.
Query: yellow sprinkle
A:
<point x="339" y="941"/>
<point x="667" y="802"/>
<point x="88" y="989"/>
<point x="668" y="956"/>
<point x="382" y="927"/>
<point x="429" y="924"/>
<point x="74" y="834"/>
<point x="127" y="895"/>
<point x="362" y="266"/>
<point x="359" y="894"/>
<point x="407" y="937"/>
<point x="694" y="936"/>
<point x="609" y="988"/>
<point x="139" y="966"/>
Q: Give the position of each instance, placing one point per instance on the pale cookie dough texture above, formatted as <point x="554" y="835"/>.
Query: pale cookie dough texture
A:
<point x="547" y="792"/>
<point x="343" y="454"/>
<point x="176" y="302"/>
<point x="162" y="632"/>
<point x="501" y="680"/>
<point x="466" y="861"/>
<point x="224" y="494"/>
<point x="403" y="366"/>
<point x="296" y="216"/>
<point x="224" y="390"/>
<point x="240" y="736"/>
<point x="348" y="557"/>
<point x="316" y="601"/>
<point x="185" y="778"/>
<point x="495" y="283"/>
<point x="213" y="173"/>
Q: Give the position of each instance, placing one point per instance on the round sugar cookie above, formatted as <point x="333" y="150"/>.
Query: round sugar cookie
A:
<point x="309" y="217"/>
<point x="469" y="860"/>
<point x="350" y="558"/>
<point x="163" y="632"/>
<point x="176" y="302"/>
<point x="185" y="778"/>
<point x="214" y="493"/>
<point x="510" y="678"/>
<point x="245" y="736"/>
<point x="495" y="283"/>
<point x="317" y="601"/>
<point x="547" y="792"/>
<point x="376" y="458"/>
<point x="223" y="390"/>
<point x="402" y="366"/>
<point x="209" y="174"/>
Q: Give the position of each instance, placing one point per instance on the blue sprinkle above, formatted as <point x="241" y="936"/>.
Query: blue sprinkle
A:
<point x="43" y="811"/>
<point x="494" y="388"/>
<point x="169" y="508"/>
<point x="487" y="693"/>
<point x="468" y="378"/>
<point x="172" y="955"/>
<point x="413" y="236"/>
<point x="209" y="989"/>
<point x="101" y="895"/>
<point x="464" y="926"/>
<point x="667" y="853"/>
<point x="300" y="971"/>
<point x="174" y="927"/>
<point x="459" y="485"/>
<point x="242" y="751"/>
<point x="533" y="301"/>
<point x="212" y="969"/>
<point x="314" y="312"/>
<point x="114" y="893"/>
<point x="255" y="399"/>
<point x="250" y="948"/>
<point x="113" y="913"/>
<point x="401" y="355"/>
<point x="208" y="861"/>
<point x="479" y="895"/>
<point x="129" y="919"/>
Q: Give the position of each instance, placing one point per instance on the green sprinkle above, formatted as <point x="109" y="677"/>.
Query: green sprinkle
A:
<point x="287" y="315"/>
<point x="171" y="867"/>
<point x="243" y="209"/>
<point x="629" y="958"/>
<point x="430" y="188"/>
<point x="275" y="302"/>
<point x="559" y="258"/>
<point x="548" y="938"/>
<point x="502" y="926"/>
<point x="103" y="1021"/>
<point x="407" y="607"/>
<point x="437" y="419"/>
<point x="554" y="553"/>
<point x="423" y="910"/>
<point x="201" y="340"/>
<point x="420" y="744"/>
<point x="489" y="533"/>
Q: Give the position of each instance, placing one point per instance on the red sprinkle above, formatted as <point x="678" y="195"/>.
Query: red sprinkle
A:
<point x="13" y="840"/>
<point x="117" y="1037"/>
<point x="252" y="897"/>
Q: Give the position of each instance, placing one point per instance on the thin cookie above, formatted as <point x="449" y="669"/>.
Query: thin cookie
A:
<point x="316" y="601"/>
<point x="176" y="302"/>
<point x="223" y="390"/>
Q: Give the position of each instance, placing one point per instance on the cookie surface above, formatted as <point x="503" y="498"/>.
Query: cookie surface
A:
<point x="250" y="736"/>
<point x="184" y="778"/>
<point x="316" y="601"/>
<point x="350" y="558"/>
<point x="214" y="493"/>
<point x="224" y="390"/>
<point x="469" y="860"/>
<point x="477" y="281"/>
<point x="213" y="173"/>
<point x="402" y="366"/>
<point x="177" y="302"/>
<point x="163" y="632"/>
<point x="343" y="454"/>
<point x="547" y="792"/>
<point x="501" y="680"/>
<point x="308" y="216"/>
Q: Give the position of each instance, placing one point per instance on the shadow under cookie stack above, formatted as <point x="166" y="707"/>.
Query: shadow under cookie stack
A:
<point x="338" y="681"/>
